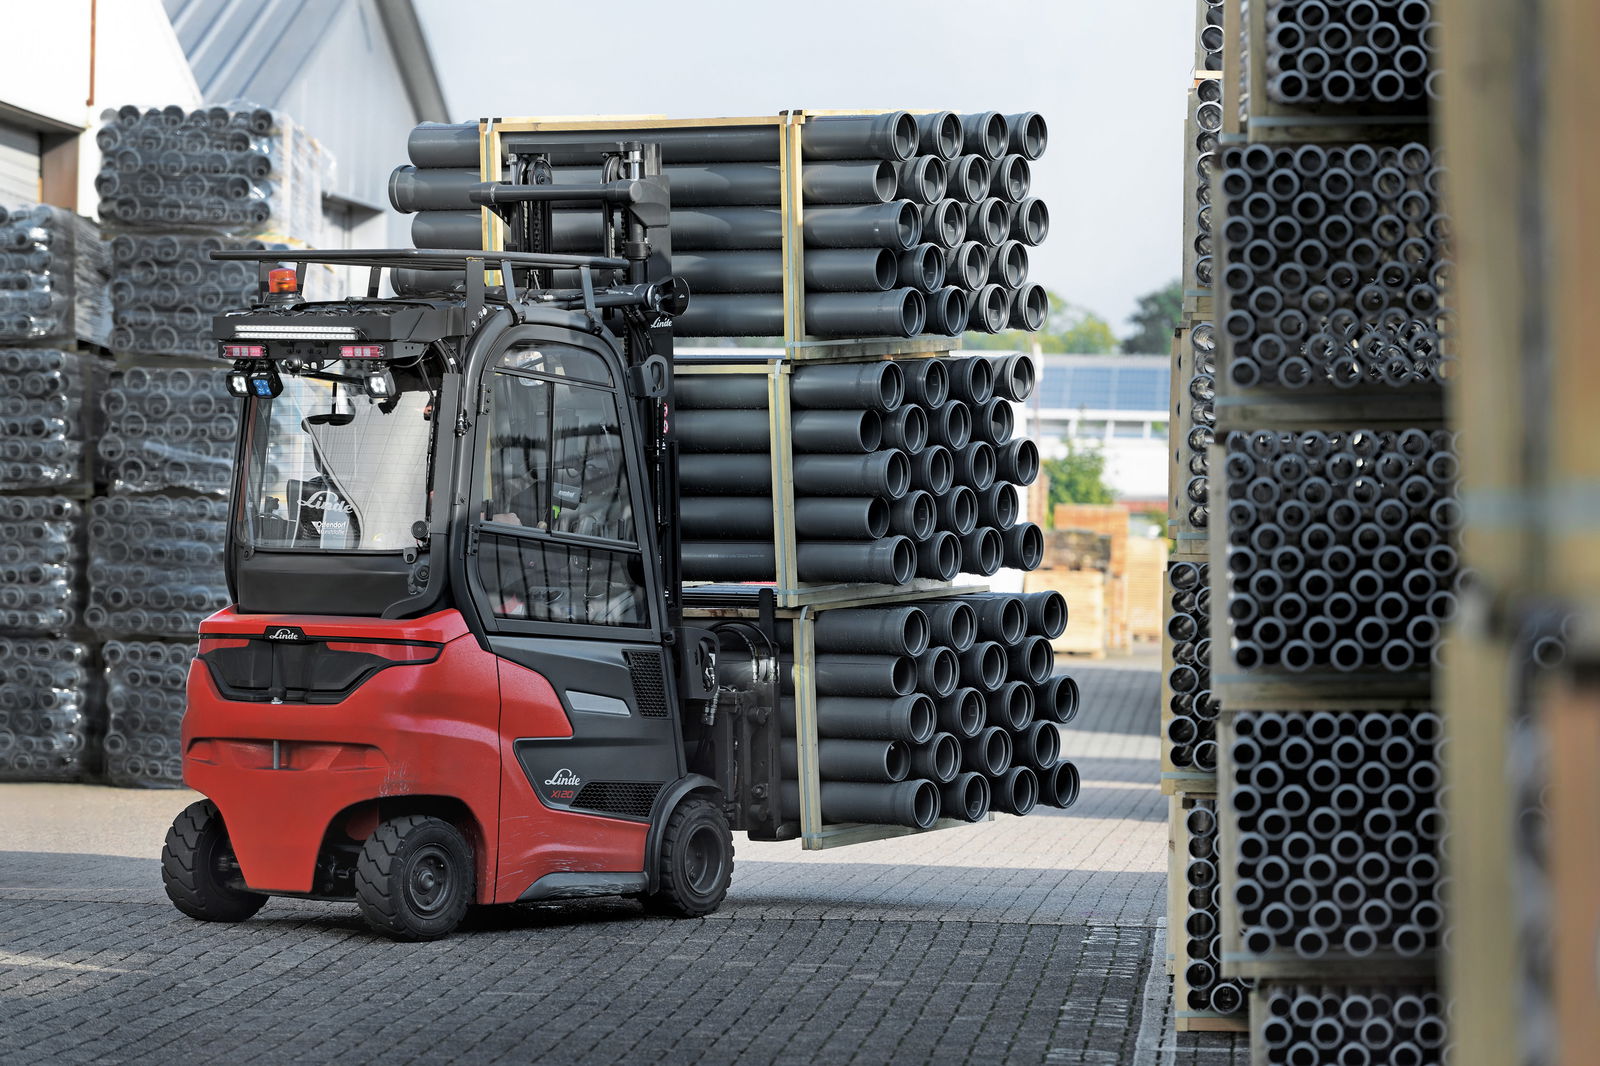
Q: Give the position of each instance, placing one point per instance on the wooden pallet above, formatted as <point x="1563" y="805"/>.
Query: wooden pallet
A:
<point x="1186" y="1020"/>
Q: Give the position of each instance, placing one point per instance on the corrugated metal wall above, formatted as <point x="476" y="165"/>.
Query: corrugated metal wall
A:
<point x="19" y="164"/>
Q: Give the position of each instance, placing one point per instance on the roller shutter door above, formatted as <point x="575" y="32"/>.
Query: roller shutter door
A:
<point x="19" y="164"/>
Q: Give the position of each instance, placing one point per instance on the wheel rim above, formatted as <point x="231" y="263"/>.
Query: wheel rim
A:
<point x="428" y="884"/>
<point x="702" y="860"/>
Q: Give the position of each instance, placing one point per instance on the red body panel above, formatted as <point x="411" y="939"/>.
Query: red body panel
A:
<point x="411" y="730"/>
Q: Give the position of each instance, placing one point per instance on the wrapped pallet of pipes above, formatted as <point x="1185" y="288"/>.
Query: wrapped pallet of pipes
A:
<point x="1313" y="461"/>
<point x="854" y="225"/>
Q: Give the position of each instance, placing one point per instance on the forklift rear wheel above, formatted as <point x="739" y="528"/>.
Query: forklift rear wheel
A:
<point x="414" y="878"/>
<point x="696" y="861"/>
<point x="196" y="864"/>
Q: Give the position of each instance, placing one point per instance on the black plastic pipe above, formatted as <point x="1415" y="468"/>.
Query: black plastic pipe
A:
<point x="1017" y="461"/>
<point x="746" y="517"/>
<point x="971" y="379"/>
<point x="1010" y="179"/>
<point x="989" y="309"/>
<point x="887" y="561"/>
<point x="1030" y="222"/>
<point x="911" y="803"/>
<point x="975" y="466"/>
<point x="938" y="672"/>
<point x="1001" y="616"/>
<point x="906" y="428"/>
<point x="1045" y="613"/>
<point x="950" y="425"/>
<point x="1014" y="376"/>
<point x="983" y="666"/>
<point x="966" y="264"/>
<point x="939" y="760"/>
<point x="1009" y="267"/>
<point x="1022" y="546"/>
<point x="989" y="752"/>
<point x="914" y="516"/>
<point x="939" y="556"/>
<point x="958" y="511"/>
<point x="1030" y="306"/>
<point x="944" y="223"/>
<point x="841" y="674"/>
<point x="707" y="391"/>
<point x="890" y="630"/>
<point x="1057" y="699"/>
<point x="1017" y="791"/>
<point x="927" y="382"/>
<point x="1027" y="134"/>
<point x="880" y="385"/>
<point x="839" y="432"/>
<point x="963" y="712"/>
<point x="952" y="623"/>
<point x="1039" y="746"/>
<point x="923" y="267"/>
<point x="967" y="798"/>
<point x="984" y="133"/>
<point x="997" y="506"/>
<point x="908" y="718"/>
<point x="993" y="423"/>
<point x="1011" y="705"/>
<point x="881" y="761"/>
<point x="932" y="470"/>
<point x="968" y="179"/>
<point x="826" y="270"/>
<point x="898" y="313"/>
<point x="939" y="133"/>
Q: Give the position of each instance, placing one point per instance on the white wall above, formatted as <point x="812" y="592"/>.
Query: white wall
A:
<point x="137" y="60"/>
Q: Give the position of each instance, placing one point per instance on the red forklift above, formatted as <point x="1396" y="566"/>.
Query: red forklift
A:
<point x="456" y="670"/>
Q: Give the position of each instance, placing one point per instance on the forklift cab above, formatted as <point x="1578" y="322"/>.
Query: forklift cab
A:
<point x="455" y="671"/>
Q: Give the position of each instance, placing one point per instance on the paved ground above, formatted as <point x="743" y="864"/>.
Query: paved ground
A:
<point x="1019" y="941"/>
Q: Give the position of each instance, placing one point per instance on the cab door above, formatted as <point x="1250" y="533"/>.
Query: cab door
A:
<point x="563" y="573"/>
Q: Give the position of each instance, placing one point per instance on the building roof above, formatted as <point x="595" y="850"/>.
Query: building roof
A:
<point x="253" y="49"/>
<point x="1105" y="383"/>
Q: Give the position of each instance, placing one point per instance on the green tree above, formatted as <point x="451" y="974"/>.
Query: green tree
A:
<point x="1068" y="329"/>
<point x="1153" y="321"/>
<point x="1078" y="478"/>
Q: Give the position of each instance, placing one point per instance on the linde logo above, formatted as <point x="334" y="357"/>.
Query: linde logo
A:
<point x="563" y="777"/>
<point x="323" y="500"/>
<point x="285" y="633"/>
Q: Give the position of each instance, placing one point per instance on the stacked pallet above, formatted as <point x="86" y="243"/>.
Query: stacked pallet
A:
<point x="910" y="224"/>
<point x="1312" y="456"/>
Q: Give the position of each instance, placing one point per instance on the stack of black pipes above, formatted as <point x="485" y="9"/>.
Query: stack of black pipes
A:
<point x="913" y="224"/>
<point x="945" y="708"/>
<point x="903" y="468"/>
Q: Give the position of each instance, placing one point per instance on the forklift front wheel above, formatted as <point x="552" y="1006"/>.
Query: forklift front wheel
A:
<point x="197" y="863"/>
<point x="414" y="878"/>
<point x="696" y="861"/>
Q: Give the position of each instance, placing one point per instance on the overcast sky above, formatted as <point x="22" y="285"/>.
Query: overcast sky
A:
<point x="1109" y="75"/>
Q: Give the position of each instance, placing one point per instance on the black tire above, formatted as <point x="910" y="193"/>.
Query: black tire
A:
<point x="197" y="844"/>
<point x="696" y="861"/>
<point x="415" y="878"/>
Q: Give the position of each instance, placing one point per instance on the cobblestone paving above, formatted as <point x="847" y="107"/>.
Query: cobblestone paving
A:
<point x="1019" y="941"/>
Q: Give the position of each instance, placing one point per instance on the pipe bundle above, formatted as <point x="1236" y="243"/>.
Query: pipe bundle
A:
<point x="52" y="277"/>
<point x="1356" y="1025"/>
<point x="155" y="564"/>
<point x="1341" y="547"/>
<point x="145" y="699"/>
<point x="940" y="708"/>
<point x="1206" y="110"/>
<point x="1201" y="425"/>
<point x="1351" y="51"/>
<point x="1211" y="37"/>
<point x="1202" y="925"/>
<point x="903" y="468"/>
<point x="41" y="559"/>
<point x="44" y="426"/>
<point x="165" y="289"/>
<point x="1192" y="729"/>
<point x="217" y="170"/>
<point x="1339" y="828"/>
<point x="912" y="223"/>
<point x="1336" y="261"/>
<point x="168" y="429"/>
<point x="45" y="726"/>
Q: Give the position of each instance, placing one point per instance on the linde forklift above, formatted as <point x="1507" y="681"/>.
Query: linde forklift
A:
<point x="456" y="670"/>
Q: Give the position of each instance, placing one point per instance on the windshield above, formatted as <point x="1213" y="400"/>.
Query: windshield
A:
<point x="331" y="469"/>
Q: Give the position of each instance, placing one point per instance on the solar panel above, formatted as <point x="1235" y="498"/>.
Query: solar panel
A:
<point x="1128" y="383"/>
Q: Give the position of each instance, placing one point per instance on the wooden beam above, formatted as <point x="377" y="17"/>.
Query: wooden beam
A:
<point x="58" y="170"/>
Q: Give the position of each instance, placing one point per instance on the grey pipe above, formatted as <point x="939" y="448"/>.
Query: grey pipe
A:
<point x="1027" y="134"/>
<point x="1011" y="705"/>
<point x="745" y="517"/>
<point x="1014" y="376"/>
<point x="993" y="423"/>
<point x="1010" y="179"/>
<point x="939" y="556"/>
<point x="953" y="623"/>
<point x="911" y="803"/>
<point x="967" y="797"/>
<point x="1030" y="222"/>
<point x="887" y="630"/>
<point x="1059" y="784"/>
<point x="987" y="220"/>
<point x="948" y="311"/>
<point x="898" y="313"/>
<point x="975" y="466"/>
<point x="958" y="511"/>
<point x="820" y="431"/>
<point x="968" y="179"/>
<point x="1022" y="546"/>
<point x="966" y="265"/>
<point x="888" y="561"/>
<point x="982" y="551"/>
<point x="1017" y="461"/>
<point x="742" y="391"/>
<point x="989" y="752"/>
<point x="933" y="470"/>
<point x="922" y="267"/>
<point x="886" y="474"/>
<point x="938" y="672"/>
<point x="984" y="133"/>
<point x="1039" y="746"/>
<point x="989" y="309"/>
<point x="1016" y="792"/>
<point x="927" y="382"/>
<point x="939" y="133"/>
<point x="1001" y="616"/>
<point x="997" y="506"/>
<point x="826" y="270"/>
<point x="1009" y="267"/>
<point x="880" y="385"/>
<point x="906" y="429"/>
<point x="939" y="760"/>
<point x="951" y="424"/>
<point x="881" y="761"/>
<point x="922" y="179"/>
<point x="1057" y="699"/>
<point x="962" y="713"/>
<point x="944" y="223"/>
<point x="908" y="718"/>
<point x="1031" y="659"/>
<point x="914" y="515"/>
<point x="983" y="666"/>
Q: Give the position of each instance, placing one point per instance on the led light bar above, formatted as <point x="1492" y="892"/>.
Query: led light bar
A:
<point x="361" y="351"/>
<point x="244" y="351"/>
<point x="296" y="333"/>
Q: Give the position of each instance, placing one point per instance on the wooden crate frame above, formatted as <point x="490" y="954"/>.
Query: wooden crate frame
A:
<point x="1245" y="62"/>
<point x="790" y="590"/>
<point x="1189" y="539"/>
<point x="1276" y="688"/>
<point x="815" y="834"/>
<point x="1186" y="1020"/>
<point x="1191" y="185"/>
<point x="797" y="344"/>
<point x="1235" y="961"/>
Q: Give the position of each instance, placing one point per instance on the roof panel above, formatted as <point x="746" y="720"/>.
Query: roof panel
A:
<point x="1115" y="383"/>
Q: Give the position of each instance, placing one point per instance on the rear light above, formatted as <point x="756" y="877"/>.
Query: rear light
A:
<point x="244" y="351"/>
<point x="395" y="653"/>
<point x="361" y="351"/>
<point x="218" y="643"/>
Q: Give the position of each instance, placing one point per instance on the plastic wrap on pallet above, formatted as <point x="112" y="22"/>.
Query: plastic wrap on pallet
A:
<point x="155" y="564"/>
<point x="53" y="273"/>
<point x="45" y="710"/>
<point x="236" y="169"/>
<point x="168" y="429"/>
<point x="41" y="558"/>
<point x="145" y="683"/>
<point x="165" y="289"/>
<point x="47" y="416"/>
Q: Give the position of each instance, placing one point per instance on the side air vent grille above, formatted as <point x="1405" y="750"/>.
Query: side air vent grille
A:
<point x="649" y="685"/>
<point x="629" y="799"/>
